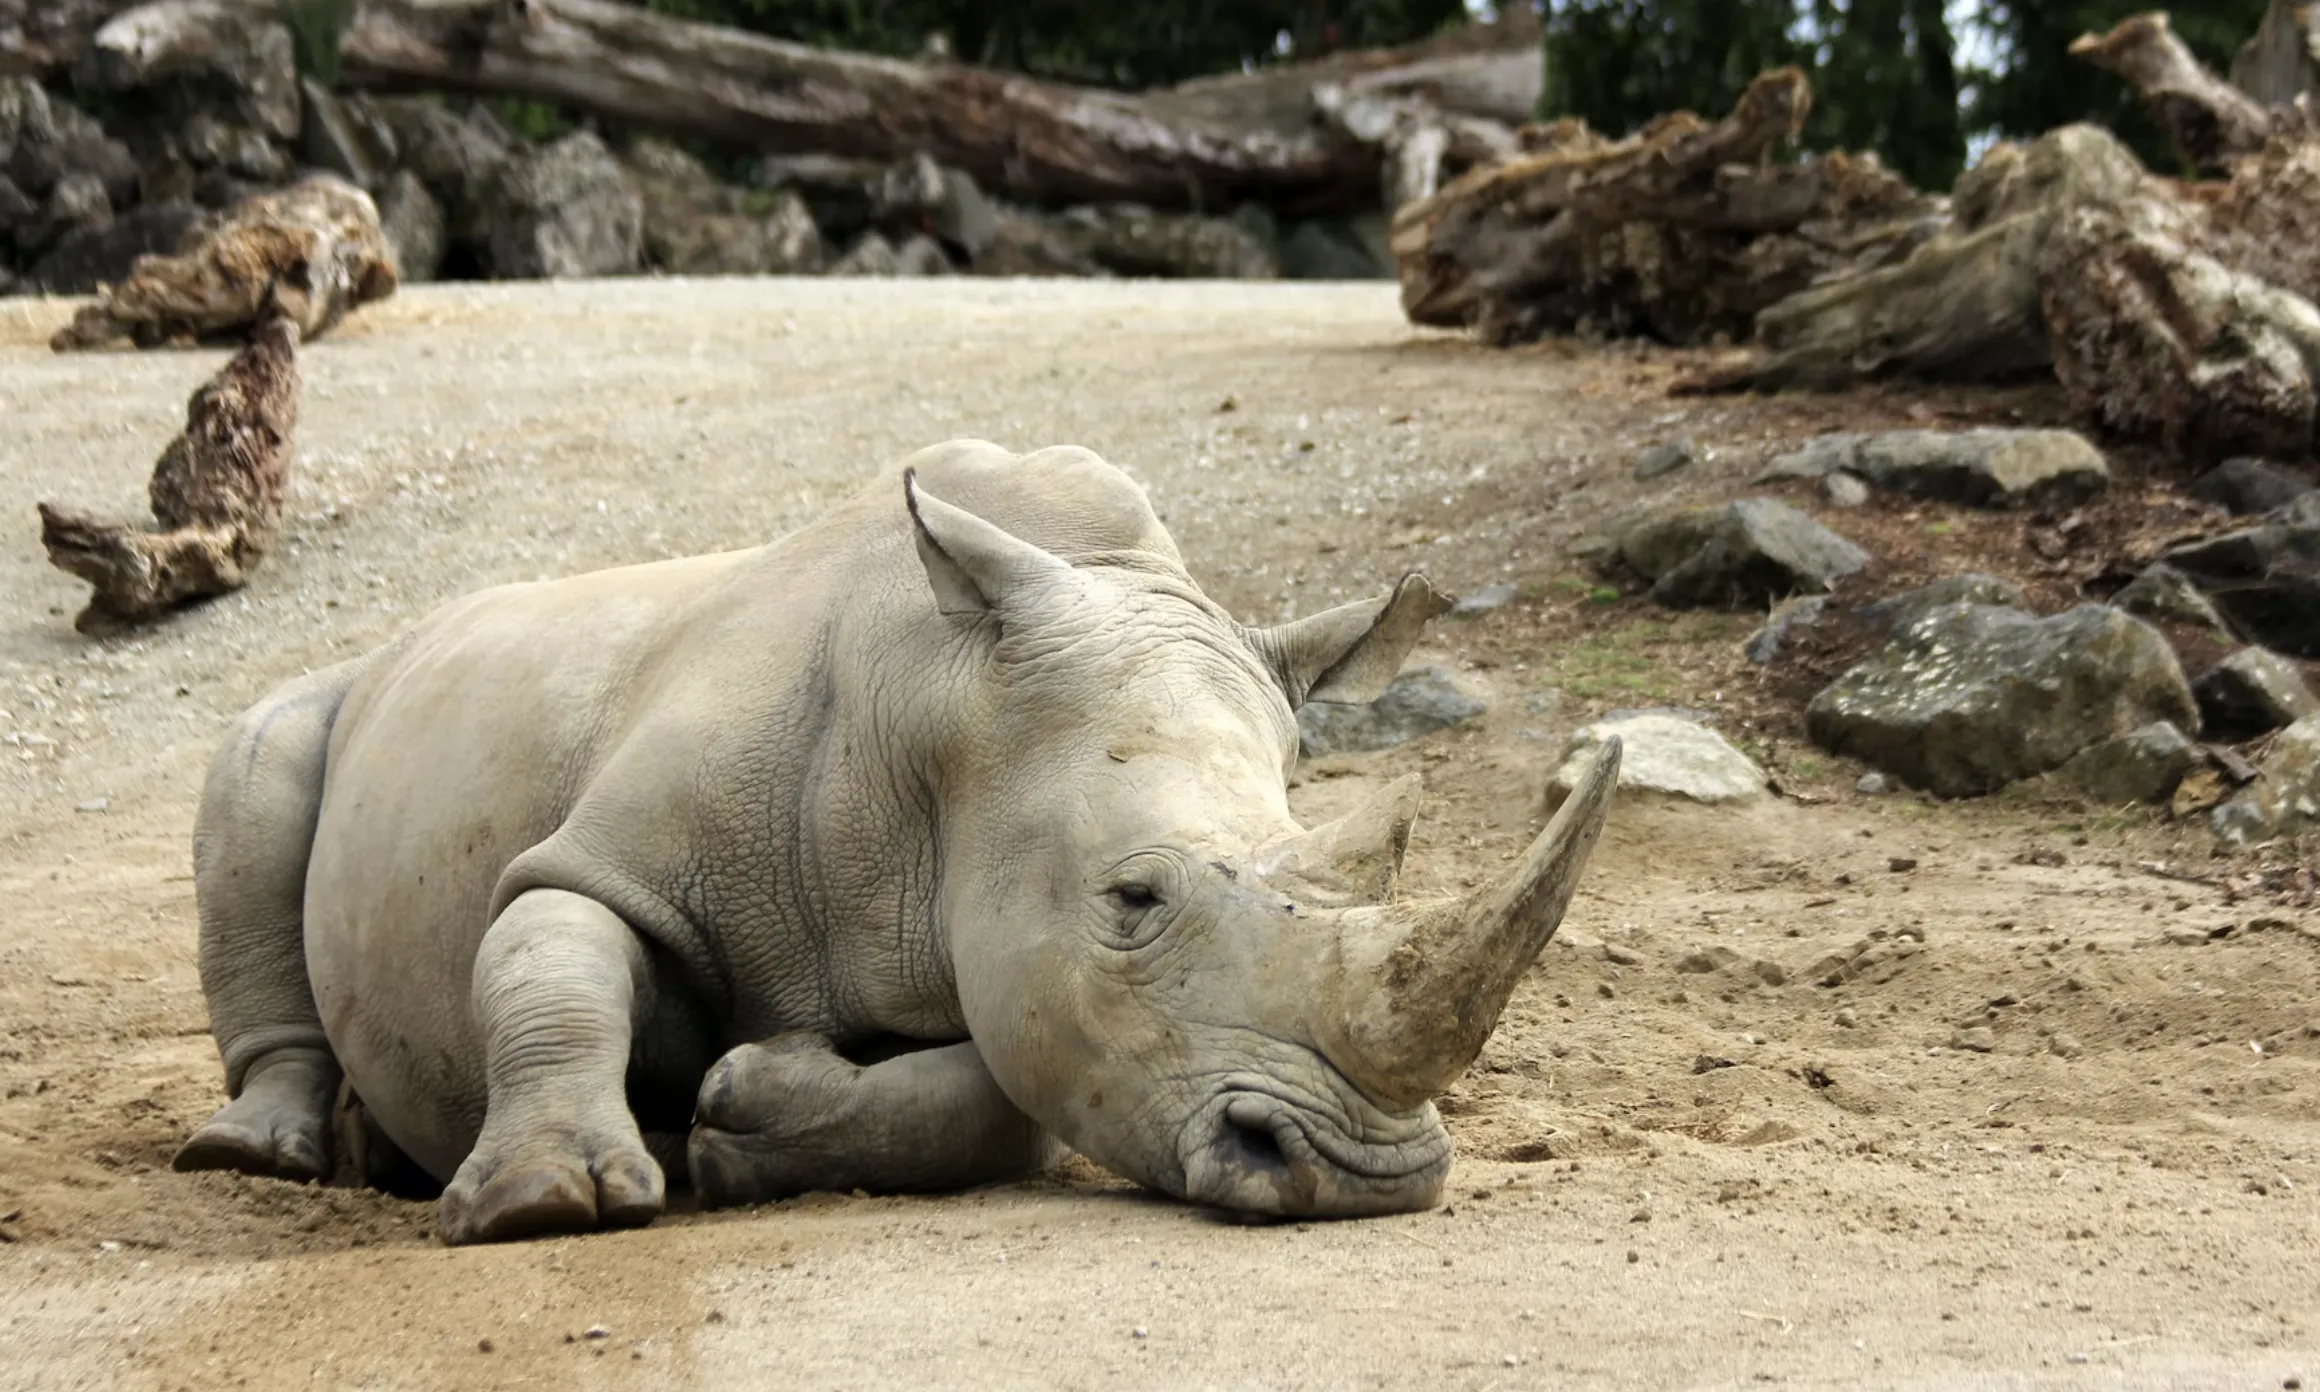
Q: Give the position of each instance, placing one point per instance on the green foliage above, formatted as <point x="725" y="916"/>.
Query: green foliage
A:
<point x="2037" y="85"/>
<point x="318" y="30"/>
<point x="1143" y="43"/>
<point x="1883" y="71"/>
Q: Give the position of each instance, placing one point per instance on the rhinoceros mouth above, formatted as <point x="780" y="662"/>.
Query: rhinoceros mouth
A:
<point x="1263" y="1149"/>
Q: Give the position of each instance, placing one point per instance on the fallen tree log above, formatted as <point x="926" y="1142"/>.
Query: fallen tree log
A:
<point x="1212" y="145"/>
<point x="2211" y="121"/>
<point x="217" y="494"/>
<point x="1682" y="231"/>
<point x="312" y="252"/>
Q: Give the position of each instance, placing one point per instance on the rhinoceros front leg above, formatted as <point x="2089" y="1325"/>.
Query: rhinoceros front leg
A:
<point x="791" y="1115"/>
<point x="560" y="984"/>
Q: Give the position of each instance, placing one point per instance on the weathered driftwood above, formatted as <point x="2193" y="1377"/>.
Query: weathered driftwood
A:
<point x="2153" y="338"/>
<point x="1682" y="231"/>
<point x="313" y="251"/>
<point x="2279" y="63"/>
<point x="1965" y="304"/>
<point x="2210" y="120"/>
<point x="217" y="495"/>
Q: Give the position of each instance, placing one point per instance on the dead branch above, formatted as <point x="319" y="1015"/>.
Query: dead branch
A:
<point x="2210" y="120"/>
<point x="217" y="494"/>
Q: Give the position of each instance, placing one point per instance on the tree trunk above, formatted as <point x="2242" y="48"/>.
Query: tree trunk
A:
<point x="2276" y="66"/>
<point x="1680" y="232"/>
<point x="217" y="493"/>
<point x="313" y="251"/>
<point x="2211" y="121"/>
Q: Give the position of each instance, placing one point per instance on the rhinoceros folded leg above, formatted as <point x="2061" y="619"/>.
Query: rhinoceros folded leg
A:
<point x="250" y="846"/>
<point x="561" y="983"/>
<point x="790" y="1115"/>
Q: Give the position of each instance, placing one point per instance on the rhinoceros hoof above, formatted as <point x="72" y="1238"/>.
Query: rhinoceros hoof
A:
<point x="531" y="1187"/>
<point x="770" y="1121"/>
<point x="278" y="1127"/>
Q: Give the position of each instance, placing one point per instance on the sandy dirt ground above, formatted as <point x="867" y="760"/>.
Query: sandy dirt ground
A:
<point x="1684" y="1162"/>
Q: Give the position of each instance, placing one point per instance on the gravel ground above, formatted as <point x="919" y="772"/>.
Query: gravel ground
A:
<point x="2118" y="1194"/>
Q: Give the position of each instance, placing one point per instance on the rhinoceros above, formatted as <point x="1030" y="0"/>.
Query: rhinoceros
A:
<point x="888" y="855"/>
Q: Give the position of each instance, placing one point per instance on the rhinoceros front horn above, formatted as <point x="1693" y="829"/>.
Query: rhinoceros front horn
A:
<point x="1419" y="987"/>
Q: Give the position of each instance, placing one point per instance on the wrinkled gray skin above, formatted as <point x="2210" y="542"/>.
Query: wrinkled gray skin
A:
<point x="874" y="857"/>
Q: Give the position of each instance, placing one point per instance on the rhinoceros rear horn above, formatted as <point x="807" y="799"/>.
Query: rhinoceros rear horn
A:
<point x="1421" y="986"/>
<point x="973" y="565"/>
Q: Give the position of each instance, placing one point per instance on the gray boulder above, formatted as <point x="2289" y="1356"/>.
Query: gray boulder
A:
<point x="244" y="72"/>
<point x="412" y="222"/>
<point x="1418" y="702"/>
<point x="1738" y="556"/>
<point x="2141" y="766"/>
<point x="238" y="151"/>
<point x="347" y="135"/>
<point x="1789" y="617"/>
<point x="457" y="155"/>
<point x="1664" y="755"/>
<point x="2246" y="487"/>
<point x="1973" y="587"/>
<point x="1971" y="697"/>
<point x="1980" y="468"/>
<point x="1132" y="240"/>
<point x="917" y="196"/>
<point x="1336" y="249"/>
<point x="77" y="203"/>
<point x="2265" y="579"/>
<point x="565" y="209"/>
<point x="2284" y="798"/>
<point x="93" y="256"/>
<point x="1844" y="490"/>
<point x="1666" y="457"/>
<point x="922" y="256"/>
<point x="695" y="225"/>
<point x="2166" y="595"/>
<point x="2252" y="692"/>
<point x="873" y="255"/>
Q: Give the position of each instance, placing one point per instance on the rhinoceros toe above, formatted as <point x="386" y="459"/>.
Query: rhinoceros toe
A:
<point x="503" y="1192"/>
<point x="277" y="1127"/>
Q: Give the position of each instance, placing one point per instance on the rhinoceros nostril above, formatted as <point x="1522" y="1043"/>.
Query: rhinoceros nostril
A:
<point x="1255" y="1148"/>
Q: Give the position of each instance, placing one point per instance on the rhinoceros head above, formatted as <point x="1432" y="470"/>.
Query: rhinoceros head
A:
<point x="1156" y="961"/>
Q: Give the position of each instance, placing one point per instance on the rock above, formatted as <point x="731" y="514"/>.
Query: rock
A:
<point x="1970" y="697"/>
<point x="2165" y="594"/>
<point x="1662" y="755"/>
<point x="1131" y="240"/>
<point x="1979" y="1039"/>
<point x="1487" y="600"/>
<point x="2252" y="692"/>
<point x="96" y="256"/>
<point x="56" y="139"/>
<point x="245" y="70"/>
<point x="694" y="225"/>
<point x="871" y="256"/>
<point x="239" y="151"/>
<point x="921" y="256"/>
<point x="1666" y="458"/>
<point x="413" y="225"/>
<point x="1981" y="468"/>
<point x="27" y="135"/>
<point x="1336" y="249"/>
<point x="918" y="196"/>
<point x="457" y="156"/>
<point x="347" y="136"/>
<point x="2284" y="798"/>
<point x="1738" y="556"/>
<point x="1873" y="784"/>
<point x="566" y="209"/>
<point x="1418" y="702"/>
<point x="1790" y="615"/>
<point x="76" y="203"/>
<point x="16" y="208"/>
<point x="2141" y="766"/>
<point x="1898" y="611"/>
<point x="2244" y="487"/>
<point x="2265" y="579"/>
<point x="1844" y="490"/>
<point x="2064" y="1046"/>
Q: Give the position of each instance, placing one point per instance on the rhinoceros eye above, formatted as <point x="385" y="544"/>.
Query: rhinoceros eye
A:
<point x="1135" y="913"/>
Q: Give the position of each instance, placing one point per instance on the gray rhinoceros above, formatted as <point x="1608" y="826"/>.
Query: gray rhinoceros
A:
<point x="873" y="857"/>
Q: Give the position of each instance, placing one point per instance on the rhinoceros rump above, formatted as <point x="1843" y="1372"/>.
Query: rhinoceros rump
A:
<point x="875" y="858"/>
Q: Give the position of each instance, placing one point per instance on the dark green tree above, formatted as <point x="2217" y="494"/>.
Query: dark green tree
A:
<point x="1885" y="79"/>
<point x="1619" y="63"/>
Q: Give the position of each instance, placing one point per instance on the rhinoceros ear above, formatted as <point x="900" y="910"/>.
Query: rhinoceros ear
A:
<point x="972" y="565"/>
<point x="1351" y="652"/>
